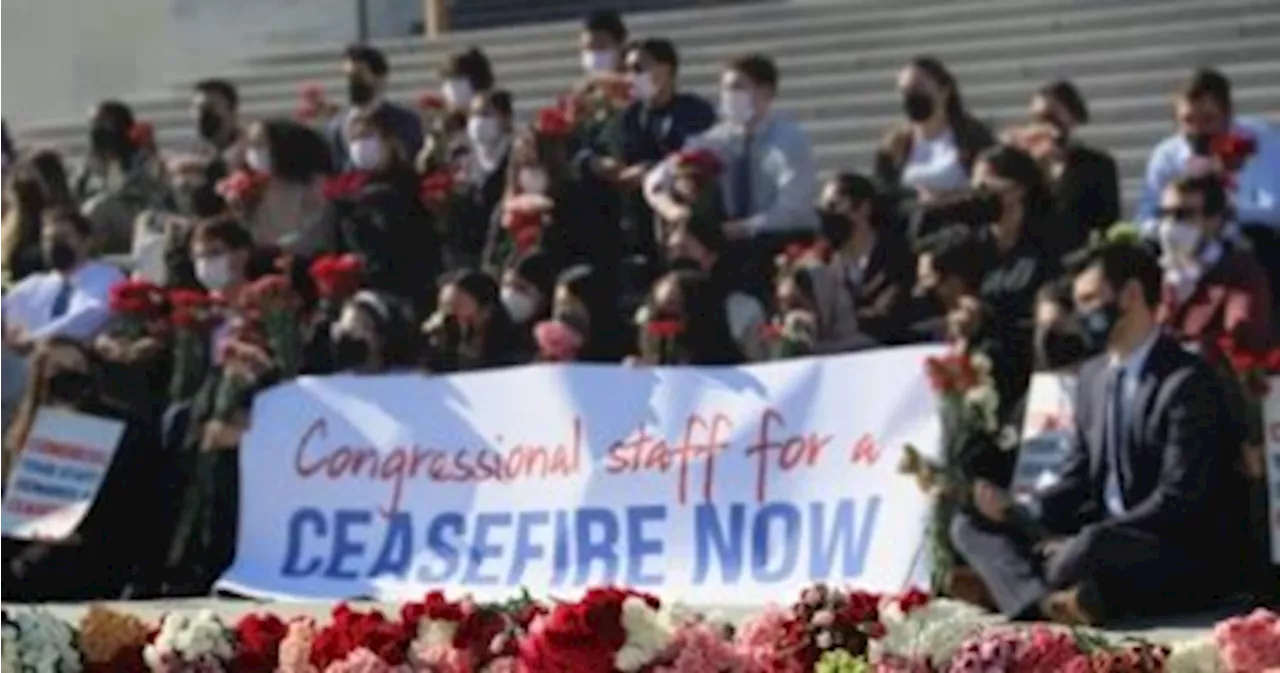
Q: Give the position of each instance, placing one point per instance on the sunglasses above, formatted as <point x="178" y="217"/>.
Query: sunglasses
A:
<point x="1179" y="213"/>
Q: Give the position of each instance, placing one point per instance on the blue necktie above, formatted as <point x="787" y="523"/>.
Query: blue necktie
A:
<point x="742" y="181"/>
<point x="1115" y="423"/>
<point x="62" y="302"/>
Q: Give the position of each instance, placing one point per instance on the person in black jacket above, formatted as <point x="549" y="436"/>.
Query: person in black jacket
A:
<point x="467" y="219"/>
<point x="377" y="214"/>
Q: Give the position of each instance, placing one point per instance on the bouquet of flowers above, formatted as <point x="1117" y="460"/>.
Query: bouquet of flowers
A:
<point x="1250" y="643"/>
<point x="524" y="217"/>
<point x="243" y="188"/>
<point x="344" y="186"/>
<point x="258" y="639"/>
<point x="824" y="620"/>
<point x="194" y="315"/>
<point x="437" y="190"/>
<point x="38" y="641"/>
<point x="660" y="338"/>
<point x="553" y="122"/>
<point x="696" y="185"/>
<point x="466" y="636"/>
<point x="349" y="630"/>
<point x="968" y="405"/>
<point x="790" y="335"/>
<point x="140" y="308"/>
<point x="608" y="630"/>
<point x="1231" y="151"/>
<point x="313" y="106"/>
<point x="337" y="277"/>
<point x="112" y="642"/>
<point x="272" y="306"/>
<point x="557" y="341"/>
<point x="923" y="635"/>
<point x="196" y="643"/>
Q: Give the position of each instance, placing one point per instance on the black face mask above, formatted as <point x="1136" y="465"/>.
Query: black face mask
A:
<point x="350" y="352"/>
<point x="106" y="140"/>
<point x="1058" y="346"/>
<point x="1098" y="324"/>
<point x="918" y="105"/>
<point x="69" y="387"/>
<point x="209" y="124"/>
<point x="61" y="256"/>
<point x="836" y="228"/>
<point x="359" y="92"/>
<point x="1200" y="143"/>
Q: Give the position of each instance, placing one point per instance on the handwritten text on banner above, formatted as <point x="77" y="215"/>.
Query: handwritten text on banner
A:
<point x="714" y="485"/>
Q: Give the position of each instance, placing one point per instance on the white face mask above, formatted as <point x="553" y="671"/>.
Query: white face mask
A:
<point x="259" y="159"/>
<point x="599" y="60"/>
<point x="457" y="93"/>
<point x="519" y="304"/>
<point x="533" y="181"/>
<point x="736" y="106"/>
<point x="642" y="86"/>
<point x="483" y="130"/>
<point x="214" y="273"/>
<point x="365" y="153"/>
<point x="1180" y="239"/>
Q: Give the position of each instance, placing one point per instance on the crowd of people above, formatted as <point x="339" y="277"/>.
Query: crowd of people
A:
<point x="634" y="222"/>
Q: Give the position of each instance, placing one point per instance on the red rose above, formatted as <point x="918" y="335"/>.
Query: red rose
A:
<point x="430" y="101"/>
<point x="859" y="607"/>
<point x="142" y="134"/>
<point x="913" y="599"/>
<point x="664" y="329"/>
<point x="436" y="188"/>
<point x="193" y="309"/>
<point x="1233" y="149"/>
<point x="344" y="186"/>
<point x="337" y="276"/>
<point x="703" y="163"/>
<point x="553" y="122"/>
<point x="258" y="643"/>
<point x="139" y="299"/>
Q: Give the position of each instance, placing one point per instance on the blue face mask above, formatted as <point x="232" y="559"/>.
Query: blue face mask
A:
<point x="1097" y="325"/>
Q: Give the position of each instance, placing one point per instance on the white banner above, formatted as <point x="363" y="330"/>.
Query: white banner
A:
<point x="728" y="486"/>
<point x="58" y="474"/>
<point x="1048" y="430"/>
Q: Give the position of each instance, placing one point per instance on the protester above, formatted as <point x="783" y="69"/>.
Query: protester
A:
<point x="373" y="335"/>
<point x="541" y="208"/>
<point x="1059" y="341"/>
<point x="367" y="70"/>
<point x="931" y="153"/>
<point x="119" y="179"/>
<point x="528" y="287"/>
<point x="1084" y="180"/>
<point x="464" y="75"/>
<point x="1129" y="517"/>
<point x="287" y="208"/>
<point x="684" y="323"/>
<point x="35" y="183"/>
<point x="216" y="104"/>
<point x="466" y="218"/>
<point x="584" y="303"/>
<point x="701" y="245"/>
<point x="471" y="328"/>
<point x="1212" y="288"/>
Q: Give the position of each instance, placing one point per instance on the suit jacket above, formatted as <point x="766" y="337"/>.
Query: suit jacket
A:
<point x="406" y="122"/>
<point x="1086" y="197"/>
<point x="1233" y="298"/>
<point x="1177" y="463"/>
<point x="877" y="310"/>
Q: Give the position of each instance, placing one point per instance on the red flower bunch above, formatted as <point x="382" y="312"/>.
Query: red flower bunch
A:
<point x="1250" y="643"/>
<point x="436" y="188"/>
<point x="798" y="256"/>
<point x="581" y="637"/>
<point x="258" y="640"/>
<point x="350" y="630"/>
<point x="1045" y="650"/>
<point x="430" y="101"/>
<point x="141" y="306"/>
<point x="1233" y="149"/>
<point x="553" y="122"/>
<point x="951" y="374"/>
<point x="272" y="305"/>
<point x="701" y="164"/>
<point x="664" y="329"/>
<point x="242" y="187"/>
<point x="1251" y="367"/>
<point x="1133" y="658"/>
<point x="1039" y="649"/>
<point x="523" y="217"/>
<point x="337" y="276"/>
<point x="193" y="310"/>
<point x="344" y="186"/>
<point x="142" y="134"/>
<point x="311" y="102"/>
<point x="557" y="341"/>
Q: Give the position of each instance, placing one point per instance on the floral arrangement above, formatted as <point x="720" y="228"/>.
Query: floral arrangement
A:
<point x="194" y="315"/>
<point x="272" y="306"/>
<point x="1232" y="150"/>
<point x="140" y="307"/>
<point x="337" y="277"/>
<point x="615" y="630"/>
<point x="557" y="341"/>
<point x="242" y="188"/>
<point x="436" y="189"/>
<point x="523" y="218"/>
<point x="790" y="335"/>
<point x="968" y="406"/>
<point x="553" y="122"/>
<point x="344" y="186"/>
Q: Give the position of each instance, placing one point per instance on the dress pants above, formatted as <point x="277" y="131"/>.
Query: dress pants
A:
<point x="1134" y="571"/>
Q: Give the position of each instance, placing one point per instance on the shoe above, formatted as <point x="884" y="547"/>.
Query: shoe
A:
<point x="1080" y="605"/>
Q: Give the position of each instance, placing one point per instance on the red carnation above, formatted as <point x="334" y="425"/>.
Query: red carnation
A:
<point x="193" y="309"/>
<point x="701" y="163"/>
<point x="912" y="600"/>
<point x="137" y="298"/>
<point x="664" y="329"/>
<point x="1233" y="150"/>
<point x="258" y="640"/>
<point x="337" y="276"/>
<point x="142" y="134"/>
<point x="436" y="188"/>
<point x="242" y="186"/>
<point x="345" y="186"/>
<point x="430" y="101"/>
<point x="553" y="122"/>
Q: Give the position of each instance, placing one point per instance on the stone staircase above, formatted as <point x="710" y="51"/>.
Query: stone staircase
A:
<point x="839" y="59"/>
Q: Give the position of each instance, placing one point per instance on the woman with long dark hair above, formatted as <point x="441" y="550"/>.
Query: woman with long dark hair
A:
<point x="288" y="212"/>
<point x="930" y="153"/>
<point x="37" y="181"/>
<point x="684" y="323"/>
<point x="471" y="328"/>
<point x="588" y="305"/>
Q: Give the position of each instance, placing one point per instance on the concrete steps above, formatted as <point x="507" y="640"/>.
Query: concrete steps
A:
<point x="839" y="60"/>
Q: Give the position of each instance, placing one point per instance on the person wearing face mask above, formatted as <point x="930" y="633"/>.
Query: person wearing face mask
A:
<point x="930" y="153"/>
<point x="1085" y="181"/>
<point x="683" y="322"/>
<point x="465" y="75"/>
<point x="71" y="298"/>
<point x="588" y="307"/>
<point x="1212" y="287"/>
<point x="528" y="287"/>
<point x="465" y="223"/>
<point x="289" y="211"/>
<point x="373" y="335"/>
<point x="602" y="38"/>
<point x="367" y="70"/>
<point x="383" y="220"/>
<point x="470" y="328"/>
<point x="1060" y="344"/>
<point x="216" y="104"/>
<point x="35" y="182"/>
<point x="220" y="253"/>
<point x="1144" y="485"/>
<point x="701" y="245"/>
<point x="864" y="292"/>
<point x="118" y="180"/>
<point x="769" y="181"/>
<point x="117" y="542"/>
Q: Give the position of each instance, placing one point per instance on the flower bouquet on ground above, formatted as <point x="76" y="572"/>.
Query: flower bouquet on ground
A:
<point x="824" y="621"/>
<point x="37" y="641"/>
<point x="195" y="314"/>
<point x="113" y="642"/>
<point x="141" y="309"/>
<point x="967" y="406"/>
<point x="609" y="630"/>
<point x="191" y="643"/>
<point x="923" y="635"/>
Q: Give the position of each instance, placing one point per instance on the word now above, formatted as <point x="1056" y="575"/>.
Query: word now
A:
<point x="773" y="542"/>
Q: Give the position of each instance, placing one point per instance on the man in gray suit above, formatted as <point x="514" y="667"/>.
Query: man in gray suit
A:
<point x="1149" y="482"/>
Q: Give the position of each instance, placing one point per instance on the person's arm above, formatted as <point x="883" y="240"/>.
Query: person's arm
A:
<point x="797" y="178"/>
<point x="89" y="315"/>
<point x="1161" y="168"/>
<point x="657" y="193"/>
<point x="1059" y="505"/>
<point x="1188" y="465"/>
<point x="1257" y="200"/>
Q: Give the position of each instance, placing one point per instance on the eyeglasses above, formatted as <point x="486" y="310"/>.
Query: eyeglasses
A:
<point x="1179" y="213"/>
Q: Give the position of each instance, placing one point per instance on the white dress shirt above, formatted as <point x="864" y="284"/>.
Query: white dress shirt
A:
<point x="934" y="165"/>
<point x="1112" y="495"/>
<point x="30" y="303"/>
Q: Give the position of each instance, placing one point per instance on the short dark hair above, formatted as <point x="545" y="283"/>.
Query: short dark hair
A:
<point x="661" y="50"/>
<point x="298" y="153"/>
<point x="855" y="186"/>
<point x="1208" y="83"/>
<point x="758" y="68"/>
<point x="956" y="252"/>
<point x="472" y="64"/>
<point x="502" y="102"/>
<point x="220" y="88"/>
<point x="371" y="57"/>
<point x="1209" y="186"/>
<point x="63" y="212"/>
<point x="607" y="21"/>
<point x="1066" y="93"/>
<point x="225" y="230"/>
<point x="1122" y="262"/>
<point x="116" y="114"/>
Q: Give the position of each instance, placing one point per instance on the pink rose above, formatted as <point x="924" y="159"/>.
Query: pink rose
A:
<point x="557" y="341"/>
